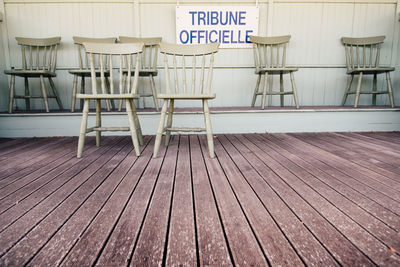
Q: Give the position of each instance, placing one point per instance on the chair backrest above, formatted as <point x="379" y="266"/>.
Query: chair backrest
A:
<point x="39" y="53"/>
<point x="270" y="52"/>
<point x="363" y="52"/>
<point x="187" y="62"/>
<point x="150" y="51"/>
<point x="106" y="55"/>
<point x="82" y="56"/>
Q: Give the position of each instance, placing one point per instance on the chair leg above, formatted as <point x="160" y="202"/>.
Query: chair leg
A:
<point x="27" y="93"/>
<point x="121" y="92"/>
<point x="358" y="90"/>
<point x="73" y="96"/>
<point x="55" y="93"/>
<point x="253" y="101"/>
<point x="294" y="89"/>
<point x="108" y="88"/>
<point x="153" y="89"/>
<point x="82" y="90"/>
<point x="132" y="127"/>
<point x="207" y="121"/>
<point x="137" y="123"/>
<point x="82" y="133"/>
<point x="389" y="84"/>
<point x="374" y="88"/>
<point x="281" y="89"/>
<point x="169" y="121"/>
<point x="264" y="95"/>
<point x="160" y="129"/>
<point x="346" y="93"/>
<point x="44" y="94"/>
<point x="98" y="122"/>
<point x="11" y="98"/>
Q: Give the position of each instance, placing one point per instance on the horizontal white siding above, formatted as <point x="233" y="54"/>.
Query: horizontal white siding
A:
<point x="316" y="28"/>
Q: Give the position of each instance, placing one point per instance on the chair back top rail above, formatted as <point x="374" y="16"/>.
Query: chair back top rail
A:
<point x="150" y="51"/>
<point x="362" y="52"/>
<point x="82" y="56"/>
<point x="270" y="52"/>
<point x="182" y="60"/>
<point x="39" y="53"/>
<point x="107" y="54"/>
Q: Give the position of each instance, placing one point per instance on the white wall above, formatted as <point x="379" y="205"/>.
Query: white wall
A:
<point x="316" y="28"/>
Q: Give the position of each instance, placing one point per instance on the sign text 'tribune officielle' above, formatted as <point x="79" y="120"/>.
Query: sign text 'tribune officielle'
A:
<point x="229" y="25"/>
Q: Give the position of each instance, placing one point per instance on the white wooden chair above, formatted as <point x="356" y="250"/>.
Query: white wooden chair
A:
<point x="39" y="59"/>
<point x="148" y="66"/>
<point x="84" y="69"/>
<point x="186" y="62"/>
<point x="107" y="54"/>
<point x="270" y="59"/>
<point x="362" y="58"/>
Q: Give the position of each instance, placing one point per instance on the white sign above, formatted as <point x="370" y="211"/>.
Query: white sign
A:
<point x="229" y="25"/>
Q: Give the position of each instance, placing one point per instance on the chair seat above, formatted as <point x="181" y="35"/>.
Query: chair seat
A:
<point x="370" y="70"/>
<point x="30" y="73"/>
<point x="273" y="71"/>
<point x="186" y="96"/>
<point x="143" y="72"/>
<point x="107" y="96"/>
<point x="86" y="73"/>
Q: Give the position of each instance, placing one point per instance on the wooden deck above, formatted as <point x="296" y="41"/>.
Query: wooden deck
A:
<point x="266" y="199"/>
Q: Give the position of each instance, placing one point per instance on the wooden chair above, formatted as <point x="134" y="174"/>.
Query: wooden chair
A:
<point x="362" y="58"/>
<point x="84" y="68"/>
<point x="183" y="60"/>
<point x="39" y="59"/>
<point x="148" y="67"/>
<point x="270" y="59"/>
<point x="106" y="55"/>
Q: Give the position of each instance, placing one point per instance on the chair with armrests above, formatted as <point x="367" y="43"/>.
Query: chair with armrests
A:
<point x="148" y="67"/>
<point x="84" y="68"/>
<point x="39" y="60"/>
<point x="362" y="58"/>
<point x="106" y="55"/>
<point x="270" y="59"/>
<point x="191" y="67"/>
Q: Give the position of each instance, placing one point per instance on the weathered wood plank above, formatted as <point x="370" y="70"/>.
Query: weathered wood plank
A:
<point x="364" y="176"/>
<point x="152" y="239"/>
<point x="306" y="245"/>
<point x="381" y="175"/>
<point x="338" y="245"/>
<point x="36" y="163"/>
<point x="312" y="199"/>
<point x="23" y="186"/>
<point x="299" y="158"/>
<point x="384" y="139"/>
<point x="364" y="230"/>
<point x="383" y="147"/>
<point x="14" y="159"/>
<point x="19" y="144"/>
<point x="212" y="246"/>
<point x="92" y="222"/>
<point x="8" y="144"/>
<point x="31" y="215"/>
<point x="99" y="183"/>
<point x="122" y="241"/>
<point x="181" y="247"/>
<point x="318" y="161"/>
<point x="22" y="200"/>
<point x="366" y="158"/>
<point x="388" y="137"/>
<point x="242" y="242"/>
<point x="274" y="244"/>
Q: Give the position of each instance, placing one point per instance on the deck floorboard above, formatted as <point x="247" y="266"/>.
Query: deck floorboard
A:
<point x="265" y="199"/>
